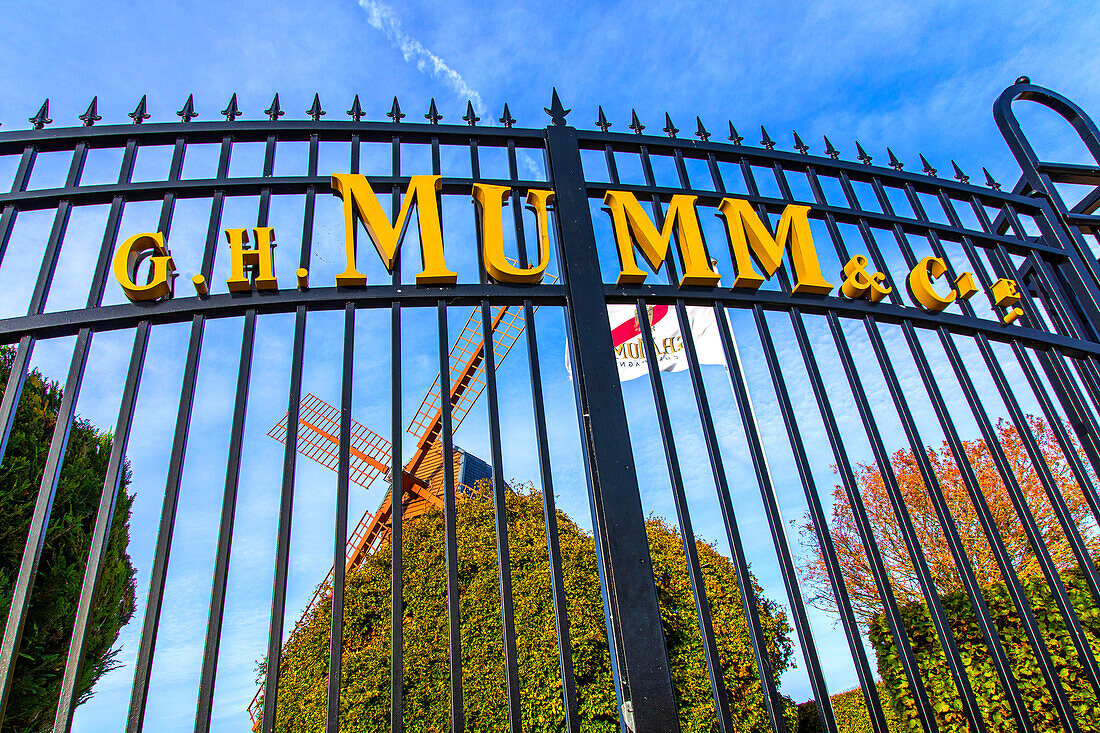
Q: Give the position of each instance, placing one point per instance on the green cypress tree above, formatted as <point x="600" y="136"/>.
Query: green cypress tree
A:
<point x="37" y="679"/>
<point x="364" y="704"/>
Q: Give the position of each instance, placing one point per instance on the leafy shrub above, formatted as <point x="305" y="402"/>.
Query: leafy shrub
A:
<point x="975" y="655"/>
<point x="364" y="703"/>
<point x="36" y="683"/>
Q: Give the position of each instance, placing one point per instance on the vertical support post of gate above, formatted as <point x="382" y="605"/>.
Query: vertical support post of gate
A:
<point x="638" y="642"/>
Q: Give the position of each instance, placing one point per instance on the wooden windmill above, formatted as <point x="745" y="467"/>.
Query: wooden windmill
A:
<point x="422" y="478"/>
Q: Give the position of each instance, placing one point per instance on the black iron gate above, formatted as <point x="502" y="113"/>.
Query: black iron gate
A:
<point x="1003" y="355"/>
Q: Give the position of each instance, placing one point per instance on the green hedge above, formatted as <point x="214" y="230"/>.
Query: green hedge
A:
<point x="366" y="683"/>
<point x="850" y="711"/>
<point x="983" y="676"/>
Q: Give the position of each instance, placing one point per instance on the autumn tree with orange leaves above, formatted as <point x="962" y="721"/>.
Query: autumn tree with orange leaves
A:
<point x="853" y="560"/>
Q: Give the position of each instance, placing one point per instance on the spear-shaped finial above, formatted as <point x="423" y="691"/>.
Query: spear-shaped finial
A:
<point x="670" y="128"/>
<point x="601" y="120"/>
<point x="433" y="115"/>
<point x="470" y="117"/>
<point x="989" y="180"/>
<point x="927" y="167"/>
<point x="737" y="139"/>
<point x="139" y="114"/>
<point x="700" y="131"/>
<point x="274" y="112"/>
<point x="556" y="111"/>
<point x="830" y="150"/>
<point x="959" y="175"/>
<point x="395" y="112"/>
<point x="635" y="124"/>
<point x="863" y="156"/>
<point x="798" y="144"/>
<point x="356" y="111"/>
<point x="231" y="111"/>
<point x="315" y="110"/>
<point x="91" y="115"/>
<point x="506" y="119"/>
<point x="188" y="110"/>
<point x="41" y="119"/>
<point x="766" y="140"/>
<point x="894" y="162"/>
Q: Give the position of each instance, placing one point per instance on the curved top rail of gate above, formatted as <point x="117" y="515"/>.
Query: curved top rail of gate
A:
<point x="858" y="207"/>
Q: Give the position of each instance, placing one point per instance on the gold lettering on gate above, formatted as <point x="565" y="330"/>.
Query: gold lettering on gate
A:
<point x="749" y="238"/>
<point x="633" y="227"/>
<point x="361" y="204"/>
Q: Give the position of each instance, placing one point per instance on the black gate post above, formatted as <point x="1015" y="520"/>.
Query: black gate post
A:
<point x="637" y="641"/>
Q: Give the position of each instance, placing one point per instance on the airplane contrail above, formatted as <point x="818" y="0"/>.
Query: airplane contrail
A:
<point x="383" y="18"/>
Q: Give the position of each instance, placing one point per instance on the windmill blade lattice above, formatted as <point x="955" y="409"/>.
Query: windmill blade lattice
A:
<point x="319" y="440"/>
<point x="467" y="370"/>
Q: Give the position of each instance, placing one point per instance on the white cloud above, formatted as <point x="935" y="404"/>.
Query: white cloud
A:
<point x="383" y="18"/>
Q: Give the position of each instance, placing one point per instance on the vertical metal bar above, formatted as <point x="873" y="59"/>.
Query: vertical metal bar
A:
<point x="105" y="513"/>
<point x="151" y="623"/>
<point x="286" y="499"/>
<point x="821" y="528"/>
<point x="947" y="522"/>
<point x="340" y="539"/>
<point x="1065" y="519"/>
<point x="57" y="236"/>
<point x="943" y="514"/>
<point x="97" y="552"/>
<point x="993" y="536"/>
<point x="658" y="211"/>
<point x="397" y="485"/>
<point x="1023" y="512"/>
<point x="204" y="708"/>
<point x="18" y="374"/>
<point x="550" y="517"/>
<point x="43" y="506"/>
<point x="905" y="523"/>
<point x="866" y="531"/>
<point x="776" y="523"/>
<point x="855" y="500"/>
<point x="549" y="508"/>
<point x="691" y="552"/>
<point x="19" y="184"/>
<point x="500" y="516"/>
<point x="36" y="533"/>
<point x="1061" y="509"/>
<point x="644" y="681"/>
<point x="13" y="389"/>
<point x="454" y="628"/>
<point x="282" y="546"/>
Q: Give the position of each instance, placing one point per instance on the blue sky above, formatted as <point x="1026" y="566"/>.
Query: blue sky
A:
<point x="920" y="78"/>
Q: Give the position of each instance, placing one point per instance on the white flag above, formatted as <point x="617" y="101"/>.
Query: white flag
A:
<point x="668" y="341"/>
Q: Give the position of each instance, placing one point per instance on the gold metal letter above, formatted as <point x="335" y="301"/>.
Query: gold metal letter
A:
<point x="633" y="226"/>
<point x="163" y="269"/>
<point x="920" y="284"/>
<point x="1005" y="292"/>
<point x="858" y="283"/>
<point x="257" y="258"/>
<point x="748" y="234"/>
<point x="360" y="203"/>
<point x="491" y="200"/>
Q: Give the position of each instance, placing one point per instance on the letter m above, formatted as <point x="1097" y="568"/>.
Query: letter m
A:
<point x="633" y="227"/>
<point x="748" y="234"/>
<point x="360" y="203"/>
